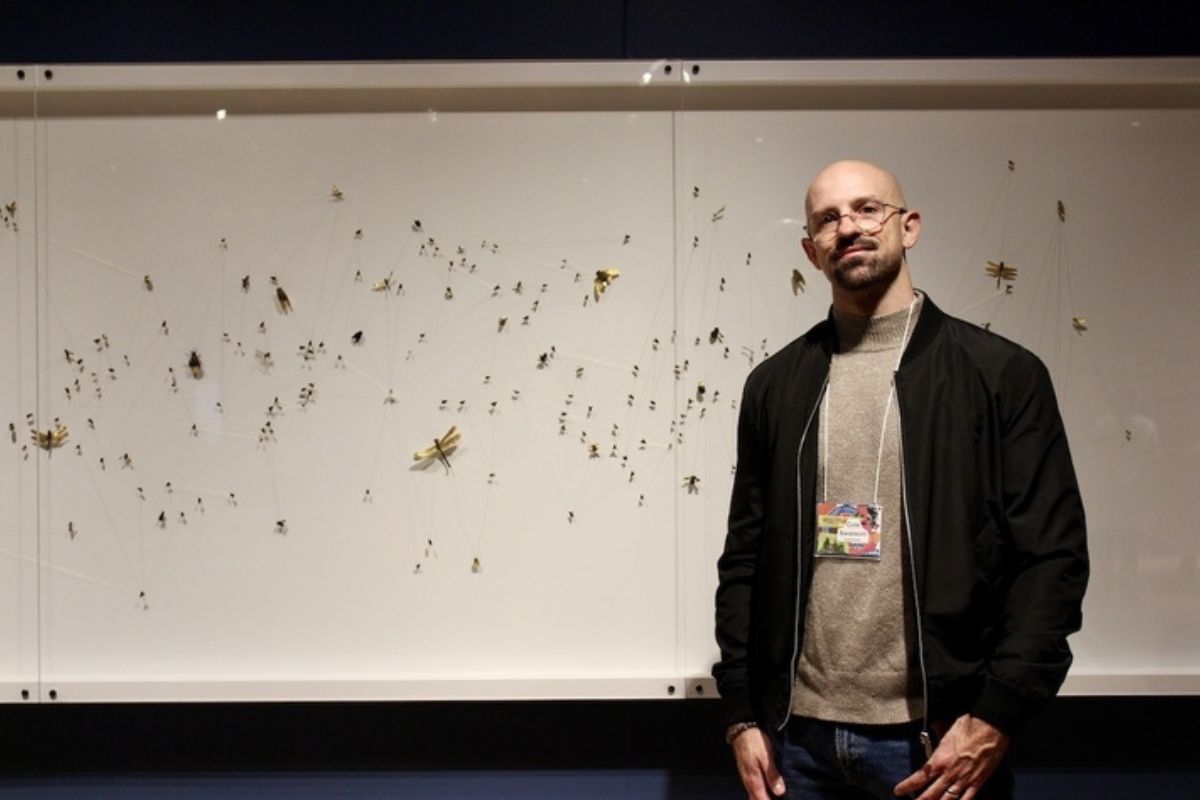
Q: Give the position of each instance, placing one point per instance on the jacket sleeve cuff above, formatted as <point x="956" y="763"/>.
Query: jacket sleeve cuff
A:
<point x="1002" y="707"/>
<point x="737" y="705"/>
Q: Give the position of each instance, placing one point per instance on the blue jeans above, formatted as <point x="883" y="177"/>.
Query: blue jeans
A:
<point x="832" y="761"/>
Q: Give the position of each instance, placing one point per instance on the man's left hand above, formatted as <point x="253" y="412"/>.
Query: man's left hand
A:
<point x="965" y="757"/>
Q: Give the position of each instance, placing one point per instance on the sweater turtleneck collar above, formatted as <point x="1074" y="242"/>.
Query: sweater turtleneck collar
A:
<point x="872" y="334"/>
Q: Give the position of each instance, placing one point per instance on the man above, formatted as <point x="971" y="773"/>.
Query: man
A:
<point x="905" y="555"/>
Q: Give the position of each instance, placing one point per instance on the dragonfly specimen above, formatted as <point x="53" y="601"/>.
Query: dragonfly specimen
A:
<point x="51" y="439"/>
<point x="441" y="449"/>
<point x="1001" y="272"/>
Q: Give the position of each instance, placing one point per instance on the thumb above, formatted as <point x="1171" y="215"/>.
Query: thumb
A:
<point x="774" y="779"/>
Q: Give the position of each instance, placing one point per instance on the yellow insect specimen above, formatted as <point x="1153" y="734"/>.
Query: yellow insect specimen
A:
<point x="51" y="439"/>
<point x="441" y="448"/>
<point x="604" y="279"/>
<point x="1080" y="324"/>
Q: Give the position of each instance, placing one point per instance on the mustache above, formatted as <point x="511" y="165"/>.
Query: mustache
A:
<point x="859" y="241"/>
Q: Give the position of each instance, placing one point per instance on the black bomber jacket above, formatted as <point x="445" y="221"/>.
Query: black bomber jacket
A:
<point x="993" y="517"/>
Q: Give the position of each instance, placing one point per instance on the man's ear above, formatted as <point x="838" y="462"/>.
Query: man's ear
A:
<point x="810" y="250"/>
<point x="911" y="228"/>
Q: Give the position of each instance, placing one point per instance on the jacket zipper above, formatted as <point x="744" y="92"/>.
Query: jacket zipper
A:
<point x="926" y="739"/>
<point x="800" y="552"/>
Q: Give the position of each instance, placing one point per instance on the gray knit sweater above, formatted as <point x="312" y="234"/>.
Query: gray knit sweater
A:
<point x="858" y="663"/>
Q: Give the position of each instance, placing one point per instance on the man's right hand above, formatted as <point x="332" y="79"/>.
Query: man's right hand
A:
<point x="756" y="765"/>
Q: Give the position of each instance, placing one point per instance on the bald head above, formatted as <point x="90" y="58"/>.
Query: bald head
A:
<point x="853" y="178"/>
<point x="868" y="269"/>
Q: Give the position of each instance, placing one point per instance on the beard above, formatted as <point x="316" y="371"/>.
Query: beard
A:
<point x="864" y="269"/>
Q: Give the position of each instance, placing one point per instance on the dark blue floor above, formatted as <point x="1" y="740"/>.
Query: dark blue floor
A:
<point x="539" y="785"/>
<point x="611" y="750"/>
<point x="576" y="784"/>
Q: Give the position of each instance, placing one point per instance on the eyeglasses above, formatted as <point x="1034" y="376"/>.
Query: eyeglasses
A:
<point x="869" y="218"/>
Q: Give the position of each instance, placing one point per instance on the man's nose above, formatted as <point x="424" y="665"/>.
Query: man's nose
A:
<point x="846" y="226"/>
<point x="847" y="233"/>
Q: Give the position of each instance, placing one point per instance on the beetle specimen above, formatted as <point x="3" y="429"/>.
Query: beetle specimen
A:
<point x="195" y="365"/>
<point x="604" y="279"/>
<point x="798" y="282"/>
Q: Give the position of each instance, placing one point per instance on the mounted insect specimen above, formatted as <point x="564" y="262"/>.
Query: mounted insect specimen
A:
<point x="51" y="439"/>
<point x="195" y="365"/>
<point x="603" y="279"/>
<point x="440" y="450"/>
<point x="1001" y="272"/>
<point x="798" y="282"/>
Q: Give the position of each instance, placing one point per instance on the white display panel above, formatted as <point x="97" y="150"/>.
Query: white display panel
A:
<point x="525" y="567"/>
<point x="18" y="466"/>
<point x="544" y="548"/>
<point x="1103" y="294"/>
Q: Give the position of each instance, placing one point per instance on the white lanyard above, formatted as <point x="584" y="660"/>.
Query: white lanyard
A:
<point x="887" y="408"/>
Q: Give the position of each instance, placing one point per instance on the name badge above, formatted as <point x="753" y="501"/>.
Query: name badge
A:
<point x="849" y="530"/>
